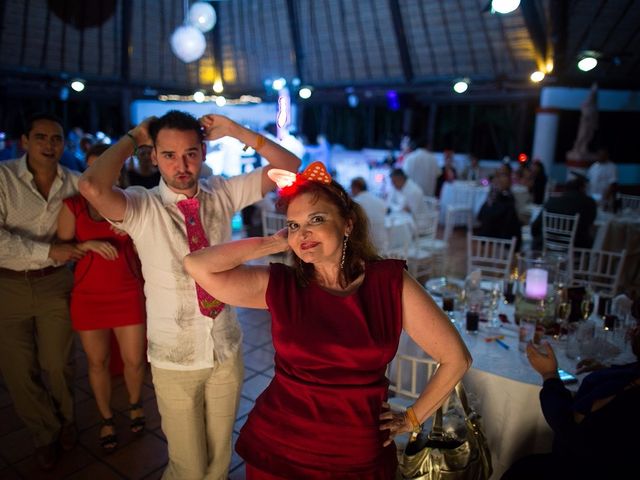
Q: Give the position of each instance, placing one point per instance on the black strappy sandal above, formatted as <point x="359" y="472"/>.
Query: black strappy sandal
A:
<point x="109" y="442"/>
<point x="138" y="423"/>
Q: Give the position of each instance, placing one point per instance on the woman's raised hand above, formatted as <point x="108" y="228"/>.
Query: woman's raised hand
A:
<point x="102" y="248"/>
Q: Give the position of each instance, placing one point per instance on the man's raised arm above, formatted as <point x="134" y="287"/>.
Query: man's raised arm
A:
<point x="97" y="183"/>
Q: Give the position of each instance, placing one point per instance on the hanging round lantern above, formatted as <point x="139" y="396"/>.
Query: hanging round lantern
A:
<point x="188" y="43"/>
<point x="202" y="16"/>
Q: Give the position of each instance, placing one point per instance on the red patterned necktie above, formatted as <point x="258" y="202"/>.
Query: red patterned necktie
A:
<point x="190" y="208"/>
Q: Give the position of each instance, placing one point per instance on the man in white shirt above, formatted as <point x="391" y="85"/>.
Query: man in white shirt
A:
<point x="374" y="207"/>
<point x="35" y="328"/>
<point x="421" y="166"/>
<point x="406" y="195"/>
<point x="194" y="343"/>
<point x="601" y="175"/>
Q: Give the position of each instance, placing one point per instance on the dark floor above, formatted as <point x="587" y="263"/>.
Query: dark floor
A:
<point x="145" y="456"/>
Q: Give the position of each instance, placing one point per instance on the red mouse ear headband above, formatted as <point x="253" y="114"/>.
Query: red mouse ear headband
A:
<point x="315" y="172"/>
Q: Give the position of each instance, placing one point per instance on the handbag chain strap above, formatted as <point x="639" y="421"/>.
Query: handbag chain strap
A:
<point x="437" y="432"/>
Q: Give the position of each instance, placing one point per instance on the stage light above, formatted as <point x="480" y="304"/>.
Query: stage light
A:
<point x="278" y="84"/>
<point x="537" y="76"/>
<point x="504" y="6"/>
<point x="198" y="97"/>
<point x="221" y="101"/>
<point x="460" y="86"/>
<point x="218" y="87"/>
<point x="587" y="63"/>
<point x="77" y="85"/>
<point x="305" y="92"/>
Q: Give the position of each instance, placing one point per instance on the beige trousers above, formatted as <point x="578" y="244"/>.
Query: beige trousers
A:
<point x="198" y="410"/>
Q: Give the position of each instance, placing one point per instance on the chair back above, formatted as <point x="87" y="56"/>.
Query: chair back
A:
<point x="427" y="223"/>
<point x="559" y="232"/>
<point x="272" y="222"/>
<point x="492" y="256"/>
<point x="408" y="375"/>
<point x="431" y="203"/>
<point x="601" y="270"/>
<point x="629" y="202"/>
<point x="397" y="240"/>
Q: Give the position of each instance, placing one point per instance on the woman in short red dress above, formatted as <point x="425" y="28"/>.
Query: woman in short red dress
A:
<point x="107" y="296"/>
<point x="337" y="315"/>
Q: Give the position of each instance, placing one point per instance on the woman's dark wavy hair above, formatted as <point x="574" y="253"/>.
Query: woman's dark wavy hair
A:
<point x="360" y="249"/>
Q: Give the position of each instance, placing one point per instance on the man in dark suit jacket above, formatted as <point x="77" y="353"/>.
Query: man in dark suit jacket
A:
<point x="573" y="200"/>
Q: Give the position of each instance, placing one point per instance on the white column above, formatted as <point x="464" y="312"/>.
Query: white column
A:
<point x="545" y="136"/>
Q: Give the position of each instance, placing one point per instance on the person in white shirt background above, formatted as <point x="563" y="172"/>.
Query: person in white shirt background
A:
<point x="421" y="166"/>
<point x="602" y="174"/>
<point x="374" y="207"/>
<point x="406" y="195"/>
<point x="35" y="287"/>
<point x="194" y="342"/>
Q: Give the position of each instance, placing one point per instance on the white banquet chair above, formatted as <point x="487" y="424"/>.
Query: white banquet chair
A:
<point x="629" y="202"/>
<point x="598" y="269"/>
<point x="492" y="256"/>
<point x="559" y="232"/>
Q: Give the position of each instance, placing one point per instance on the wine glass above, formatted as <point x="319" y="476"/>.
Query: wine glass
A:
<point x="495" y="294"/>
<point x="563" y="311"/>
<point x="586" y="306"/>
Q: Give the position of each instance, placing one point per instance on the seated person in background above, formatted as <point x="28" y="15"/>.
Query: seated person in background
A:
<point x="406" y="195"/>
<point x="602" y="174"/>
<point x="472" y="171"/>
<point x="595" y="432"/>
<point x="498" y="215"/>
<point x="573" y="200"/>
<point x="143" y="172"/>
<point x="538" y="183"/>
<point x="374" y="207"/>
<point x="448" y="173"/>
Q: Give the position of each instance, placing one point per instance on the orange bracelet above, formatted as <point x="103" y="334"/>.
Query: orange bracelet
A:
<point x="417" y="427"/>
<point x="260" y="141"/>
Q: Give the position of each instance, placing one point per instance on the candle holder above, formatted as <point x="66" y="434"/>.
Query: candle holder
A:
<point x="539" y="276"/>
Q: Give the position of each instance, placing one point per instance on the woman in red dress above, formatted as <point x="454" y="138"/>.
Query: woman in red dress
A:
<point x="337" y="315"/>
<point x="107" y="296"/>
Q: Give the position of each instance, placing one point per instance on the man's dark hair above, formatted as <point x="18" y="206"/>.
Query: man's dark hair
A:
<point x="175" y="120"/>
<point x="96" y="150"/>
<point x="398" y="172"/>
<point x="40" y="116"/>
<point x="359" y="183"/>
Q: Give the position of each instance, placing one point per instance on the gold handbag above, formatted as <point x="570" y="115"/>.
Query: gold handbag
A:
<point x="442" y="456"/>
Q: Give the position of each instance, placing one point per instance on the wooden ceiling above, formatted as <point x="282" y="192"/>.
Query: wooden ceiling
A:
<point x="416" y="47"/>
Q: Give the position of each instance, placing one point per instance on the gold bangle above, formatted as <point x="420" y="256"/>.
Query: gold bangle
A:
<point x="260" y="141"/>
<point x="415" y="423"/>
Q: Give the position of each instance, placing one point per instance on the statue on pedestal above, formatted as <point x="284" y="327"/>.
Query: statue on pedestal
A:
<point x="586" y="129"/>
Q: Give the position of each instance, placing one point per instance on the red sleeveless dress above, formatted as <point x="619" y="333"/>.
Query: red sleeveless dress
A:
<point x="106" y="293"/>
<point x="318" y="418"/>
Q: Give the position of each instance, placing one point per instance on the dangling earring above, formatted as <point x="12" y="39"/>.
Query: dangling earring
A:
<point x="344" y="251"/>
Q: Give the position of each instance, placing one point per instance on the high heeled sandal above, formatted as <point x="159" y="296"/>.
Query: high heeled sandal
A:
<point x="109" y="442"/>
<point x="137" y="423"/>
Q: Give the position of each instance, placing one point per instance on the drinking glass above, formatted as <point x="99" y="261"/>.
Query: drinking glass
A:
<point x="586" y="306"/>
<point x="563" y="312"/>
<point x="495" y="294"/>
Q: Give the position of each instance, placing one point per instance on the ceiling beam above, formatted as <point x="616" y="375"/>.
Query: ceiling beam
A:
<point x="401" y="40"/>
<point x="559" y="25"/>
<point x="537" y="31"/>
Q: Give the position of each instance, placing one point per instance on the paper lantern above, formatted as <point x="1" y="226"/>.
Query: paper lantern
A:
<point x="202" y="16"/>
<point x="188" y="43"/>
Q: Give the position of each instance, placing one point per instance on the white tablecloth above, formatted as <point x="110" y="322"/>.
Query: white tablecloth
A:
<point x="451" y="192"/>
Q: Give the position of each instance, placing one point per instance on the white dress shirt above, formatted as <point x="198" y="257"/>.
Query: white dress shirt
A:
<point x="601" y="175"/>
<point x="410" y="196"/>
<point x="28" y="221"/>
<point x="422" y="167"/>
<point x="179" y="336"/>
<point x="376" y="209"/>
